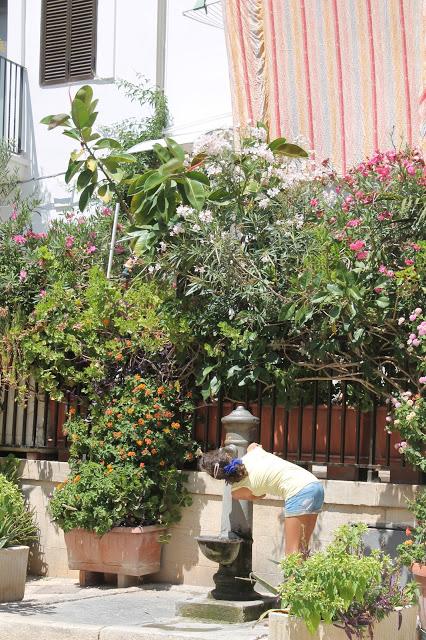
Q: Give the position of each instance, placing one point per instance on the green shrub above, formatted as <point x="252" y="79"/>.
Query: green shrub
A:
<point x="414" y="548"/>
<point x="16" y="522"/>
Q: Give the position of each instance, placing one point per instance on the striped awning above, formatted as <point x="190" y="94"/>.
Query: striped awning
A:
<point x="345" y="75"/>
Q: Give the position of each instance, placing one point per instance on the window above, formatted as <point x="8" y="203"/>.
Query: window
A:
<point x="68" y="41"/>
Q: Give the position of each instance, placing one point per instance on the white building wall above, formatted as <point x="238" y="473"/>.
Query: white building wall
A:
<point x="196" y="78"/>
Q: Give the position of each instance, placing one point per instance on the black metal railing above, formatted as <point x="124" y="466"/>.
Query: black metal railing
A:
<point x="11" y="103"/>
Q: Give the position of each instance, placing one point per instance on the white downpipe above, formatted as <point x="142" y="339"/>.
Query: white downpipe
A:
<point x="113" y="236"/>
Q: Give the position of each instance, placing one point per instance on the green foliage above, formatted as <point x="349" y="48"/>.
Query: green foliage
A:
<point x="16" y="522"/>
<point x="342" y="586"/>
<point x="414" y="548"/>
<point x="9" y="468"/>
<point x="125" y="459"/>
<point x="8" y="177"/>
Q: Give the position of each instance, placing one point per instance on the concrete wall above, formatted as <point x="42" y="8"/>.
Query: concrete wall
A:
<point x="182" y="562"/>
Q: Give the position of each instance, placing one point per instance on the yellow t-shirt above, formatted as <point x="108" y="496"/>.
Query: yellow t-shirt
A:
<point x="270" y="474"/>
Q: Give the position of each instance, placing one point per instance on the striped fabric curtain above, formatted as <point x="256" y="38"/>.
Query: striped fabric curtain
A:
<point x="345" y="75"/>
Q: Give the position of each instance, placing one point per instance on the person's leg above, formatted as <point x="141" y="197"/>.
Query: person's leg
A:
<point x="298" y="531"/>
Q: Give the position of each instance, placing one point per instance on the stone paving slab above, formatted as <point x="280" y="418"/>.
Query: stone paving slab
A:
<point x="59" y="609"/>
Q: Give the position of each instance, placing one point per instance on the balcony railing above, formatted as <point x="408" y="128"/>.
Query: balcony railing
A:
<point x="11" y="103"/>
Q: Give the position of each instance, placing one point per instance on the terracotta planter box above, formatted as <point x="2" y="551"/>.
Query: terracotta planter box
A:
<point x="419" y="574"/>
<point x="284" y="627"/>
<point x="13" y="573"/>
<point x="123" y="550"/>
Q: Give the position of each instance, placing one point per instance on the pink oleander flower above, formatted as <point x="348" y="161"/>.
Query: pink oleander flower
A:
<point x="378" y="289"/>
<point x="106" y="211"/>
<point x="69" y="242"/>
<point x="421" y="329"/>
<point x="14" y="215"/>
<point x="81" y="220"/>
<point x="362" y="255"/>
<point x="23" y="275"/>
<point x="408" y="262"/>
<point x="357" y="245"/>
<point x="355" y="222"/>
<point x="413" y="317"/>
<point x="91" y="249"/>
<point x="415" y="246"/>
<point x="19" y="239"/>
<point x="384" y="215"/>
<point x="422" y="380"/>
<point x="119" y="249"/>
<point x="415" y="342"/>
<point x="43" y="293"/>
<point x="411" y="169"/>
<point x="401" y="321"/>
<point x="314" y="202"/>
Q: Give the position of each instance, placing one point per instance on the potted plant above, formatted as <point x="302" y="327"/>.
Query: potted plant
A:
<point x="17" y="530"/>
<point x="413" y="551"/>
<point x="126" y="486"/>
<point x="341" y="593"/>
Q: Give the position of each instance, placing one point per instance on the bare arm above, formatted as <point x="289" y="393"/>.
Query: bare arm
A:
<point x="245" y="494"/>
<point x="253" y="445"/>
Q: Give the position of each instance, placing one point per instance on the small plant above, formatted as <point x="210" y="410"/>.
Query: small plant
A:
<point x="125" y="459"/>
<point x="342" y="586"/>
<point x="413" y="550"/>
<point x="17" y="525"/>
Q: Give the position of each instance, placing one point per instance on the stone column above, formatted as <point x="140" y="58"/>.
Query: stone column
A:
<point x="241" y="428"/>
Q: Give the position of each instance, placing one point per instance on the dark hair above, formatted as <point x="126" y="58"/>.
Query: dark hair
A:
<point x="214" y="463"/>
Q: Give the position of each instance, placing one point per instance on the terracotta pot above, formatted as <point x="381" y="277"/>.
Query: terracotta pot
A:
<point x="419" y="573"/>
<point x="123" y="550"/>
<point x="284" y="627"/>
<point x="13" y="573"/>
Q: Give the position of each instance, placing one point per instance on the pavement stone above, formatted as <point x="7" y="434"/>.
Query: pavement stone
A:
<point x="59" y="609"/>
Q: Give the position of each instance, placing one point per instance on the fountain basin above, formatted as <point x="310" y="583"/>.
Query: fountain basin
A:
<point x="219" y="549"/>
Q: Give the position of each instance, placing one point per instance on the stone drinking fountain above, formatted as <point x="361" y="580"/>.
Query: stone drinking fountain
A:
<point x="233" y="599"/>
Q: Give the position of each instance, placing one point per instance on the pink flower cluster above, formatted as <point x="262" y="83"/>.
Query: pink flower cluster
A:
<point x="386" y="272"/>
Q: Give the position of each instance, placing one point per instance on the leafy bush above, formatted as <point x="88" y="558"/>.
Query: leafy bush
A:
<point x="342" y="586"/>
<point x="414" y="548"/>
<point x="124" y="459"/>
<point x="16" y="522"/>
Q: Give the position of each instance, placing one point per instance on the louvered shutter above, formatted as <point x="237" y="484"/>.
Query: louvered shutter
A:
<point x="68" y="40"/>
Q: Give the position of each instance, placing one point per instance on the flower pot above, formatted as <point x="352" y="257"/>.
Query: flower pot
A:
<point x="284" y="627"/>
<point x="13" y="573"/>
<point x="419" y="574"/>
<point x="130" y="551"/>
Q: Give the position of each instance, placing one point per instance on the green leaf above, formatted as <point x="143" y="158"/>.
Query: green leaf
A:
<point x="289" y="150"/>
<point x="72" y="133"/>
<point x="219" y="195"/>
<point x="56" y="120"/>
<point x="86" y="194"/>
<point x="382" y="302"/>
<point x="195" y="193"/>
<point x="107" y="143"/>
<point x="335" y="290"/>
<point x="85" y="94"/>
<point x="275" y="144"/>
<point x="176" y="149"/>
<point x="287" y="312"/>
<point x="84" y="178"/>
<point x="73" y="167"/>
<point x="80" y="114"/>
<point x="358" y="334"/>
<point x="122" y="157"/>
<point x="335" y="312"/>
<point x="154" y="180"/>
<point x="199" y="176"/>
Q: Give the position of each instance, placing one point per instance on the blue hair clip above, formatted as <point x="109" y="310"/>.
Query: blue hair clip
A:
<point x="231" y="468"/>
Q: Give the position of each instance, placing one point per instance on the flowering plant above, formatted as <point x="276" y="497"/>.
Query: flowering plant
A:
<point x="125" y="458"/>
<point x="414" y="548"/>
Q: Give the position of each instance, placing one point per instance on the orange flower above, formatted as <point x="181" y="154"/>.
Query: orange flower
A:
<point x="139" y="443"/>
<point x="109" y="425"/>
<point x="131" y="454"/>
<point x="119" y="356"/>
<point x="148" y="441"/>
<point x="135" y="390"/>
<point x="141" y="421"/>
<point x="408" y="542"/>
<point x="166" y="430"/>
<point x="148" y="416"/>
<point x="142" y="464"/>
<point x="128" y="343"/>
<point x="148" y="432"/>
<point x="108" y="471"/>
<point x="154" y="452"/>
<point x="72" y="411"/>
<point x="145" y="452"/>
<point x="158" y="423"/>
<point x="105" y="322"/>
<point x="117" y="434"/>
<point x="157" y="415"/>
<point x="162" y="463"/>
<point x="76" y="479"/>
<point x="119" y="416"/>
<point x="130" y="410"/>
<point x="160" y="390"/>
<point x="168" y="414"/>
<point x="148" y="392"/>
<point x="156" y="406"/>
<point x="142" y="386"/>
<point x="189" y="456"/>
<point x="109" y="466"/>
<point x="138" y="377"/>
<point x="108" y="412"/>
<point x="408" y="531"/>
<point x="175" y="425"/>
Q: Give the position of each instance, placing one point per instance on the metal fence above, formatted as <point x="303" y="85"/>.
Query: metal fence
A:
<point x="342" y="430"/>
<point x="11" y="103"/>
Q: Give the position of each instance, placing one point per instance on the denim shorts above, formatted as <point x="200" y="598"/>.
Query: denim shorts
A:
<point x="307" y="501"/>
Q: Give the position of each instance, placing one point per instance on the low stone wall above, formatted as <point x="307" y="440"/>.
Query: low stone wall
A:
<point x="182" y="562"/>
